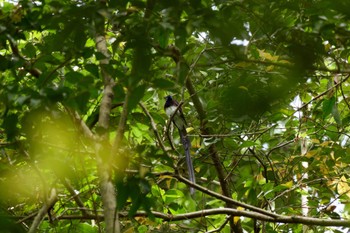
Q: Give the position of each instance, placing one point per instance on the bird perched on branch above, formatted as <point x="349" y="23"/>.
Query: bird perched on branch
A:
<point x="174" y="112"/>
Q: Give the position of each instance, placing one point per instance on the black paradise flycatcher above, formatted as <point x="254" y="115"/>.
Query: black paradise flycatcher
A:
<point x="171" y="108"/>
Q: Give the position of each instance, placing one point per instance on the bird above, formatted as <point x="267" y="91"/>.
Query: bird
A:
<point x="174" y="112"/>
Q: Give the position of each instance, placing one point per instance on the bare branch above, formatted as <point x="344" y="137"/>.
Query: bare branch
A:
<point x="81" y="124"/>
<point x="224" y="198"/>
<point x="121" y="125"/>
<point x="104" y="166"/>
<point x="76" y="197"/>
<point x="49" y="203"/>
<point x="222" y="225"/>
<point x="226" y="211"/>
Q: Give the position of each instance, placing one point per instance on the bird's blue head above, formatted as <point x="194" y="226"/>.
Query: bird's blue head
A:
<point x="168" y="98"/>
<point x="168" y="101"/>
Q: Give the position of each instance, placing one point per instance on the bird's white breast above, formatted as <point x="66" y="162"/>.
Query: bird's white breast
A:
<point x="170" y="110"/>
<point x="178" y="121"/>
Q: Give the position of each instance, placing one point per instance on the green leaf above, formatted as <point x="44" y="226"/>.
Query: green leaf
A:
<point x="173" y="195"/>
<point x="142" y="229"/>
<point x="10" y="125"/>
<point x="336" y="114"/>
<point x="74" y="77"/>
<point x="4" y="63"/>
<point x="346" y="120"/>
<point x="29" y="50"/>
<point x="93" y="69"/>
<point x="81" y="99"/>
<point x="327" y="106"/>
<point x="86" y="228"/>
<point x="123" y="194"/>
<point x="163" y="38"/>
<point x="7" y="224"/>
<point x="135" y="96"/>
<point x="137" y="134"/>
<point x="163" y="83"/>
<point x="246" y="144"/>
<point x="332" y="132"/>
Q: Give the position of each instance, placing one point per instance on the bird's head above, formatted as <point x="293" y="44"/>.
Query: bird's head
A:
<point x="168" y="98"/>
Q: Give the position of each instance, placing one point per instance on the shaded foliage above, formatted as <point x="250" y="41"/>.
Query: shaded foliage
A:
<point x="271" y="77"/>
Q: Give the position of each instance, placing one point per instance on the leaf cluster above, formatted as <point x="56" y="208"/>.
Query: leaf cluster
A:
<point x="264" y="86"/>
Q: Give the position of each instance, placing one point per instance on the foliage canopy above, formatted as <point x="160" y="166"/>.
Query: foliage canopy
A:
<point x="85" y="144"/>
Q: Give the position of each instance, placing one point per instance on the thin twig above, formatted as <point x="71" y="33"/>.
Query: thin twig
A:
<point x="27" y="65"/>
<point x="321" y="94"/>
<point x="344" y="97"/>
<point x="75" y="196"/>
<point x="154" y="127"/>
<point x="222" y="225"/>
<point x="65" y="62"/>
<point x="169" y="123"/>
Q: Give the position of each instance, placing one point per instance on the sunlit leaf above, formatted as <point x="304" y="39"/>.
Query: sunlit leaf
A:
<point x="249" y="144"/>
<point x="288" y="184"/>
<point x="343" y="187"/>
<point x="267" y="56"/>
<point x="236" y="218"/>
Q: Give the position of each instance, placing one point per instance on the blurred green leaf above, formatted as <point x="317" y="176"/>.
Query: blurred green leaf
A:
<point x="29" y="50"/>
<point x="163" y="83"/>
<point x="10" y="125"/>
<point x="135" y="96"/>
<point x="253" y="74"/>
<point x="336" y="114"/>
<point x="328" y="106"/>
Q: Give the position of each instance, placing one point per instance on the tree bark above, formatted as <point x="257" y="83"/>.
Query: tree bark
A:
<point x="103" y="151"/>
<point x="49" y="203"/>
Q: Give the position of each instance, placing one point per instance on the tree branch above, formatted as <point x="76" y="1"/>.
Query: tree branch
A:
<point x="103" y="164"/>
<point x="225" y="198"/>
<point x="76" y="197"/>
<point x="176" y="55"/>
<point x="154" y="127"/>
<point x="226" y="211"/>
<point x="212" y="149"/>
<point x="322" y="94"/>
<point x="81" y="124"/>
<point x="27" y="65"/>
<point x="271" y="63"/>
<point x="49" y="203"/>
<point x="121" y="125"/>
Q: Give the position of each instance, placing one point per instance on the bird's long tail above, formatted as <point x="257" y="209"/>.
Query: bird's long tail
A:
<point x="187" y="147"/>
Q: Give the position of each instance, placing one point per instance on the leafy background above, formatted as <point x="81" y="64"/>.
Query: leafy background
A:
<point x="264" y="86"/>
